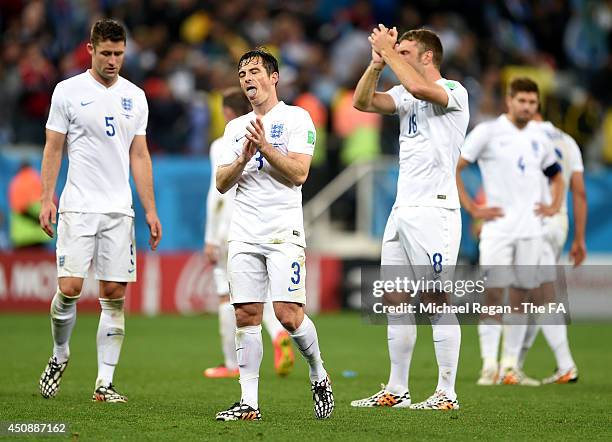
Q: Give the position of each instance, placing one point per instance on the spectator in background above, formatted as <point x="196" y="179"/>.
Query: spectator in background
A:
<point x="24" y="200"/>
<point x="190" y="45"/>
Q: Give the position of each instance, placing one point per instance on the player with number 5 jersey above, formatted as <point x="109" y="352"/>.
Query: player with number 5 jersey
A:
<point x="102" y="119"/>
<point x="267" y="154"/>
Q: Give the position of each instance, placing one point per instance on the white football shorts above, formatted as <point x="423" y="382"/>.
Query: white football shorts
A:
<point x="511" y="262"/>
<point x="106" y="239"/>
<point x="555" y="235"/>
<point x="424" y="239"/>
<point x="262" y="272"/>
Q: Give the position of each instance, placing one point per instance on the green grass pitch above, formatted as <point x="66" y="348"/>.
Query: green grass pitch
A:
<point x="161" y="372"/>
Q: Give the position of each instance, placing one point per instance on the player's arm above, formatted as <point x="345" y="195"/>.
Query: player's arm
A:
<point x="383" y="40"/>
<point x="365" y="97"/>
<point x="470" y="206"/>
<point x="578" y="250"/>
<point x="294" y="166"/>
<point x="553" y="172"/>
<point x="142" y="171"/>
<point x="51" y="162"/>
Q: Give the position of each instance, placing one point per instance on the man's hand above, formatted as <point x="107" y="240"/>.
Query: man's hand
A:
<point x="578" y="252"/>
<point x="211" y="252"/>
<point x="47" y="216"/>
<point x="256" y="134"/>
<point x="382" y="39"/>
<point x="545" y="210"/>
<point x="155" y="230"/>
<point x="248" y="150"/>
<point x="486" y="213"/>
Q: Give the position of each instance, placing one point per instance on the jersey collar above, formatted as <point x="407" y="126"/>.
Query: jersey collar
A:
<point x="100" y="85"/>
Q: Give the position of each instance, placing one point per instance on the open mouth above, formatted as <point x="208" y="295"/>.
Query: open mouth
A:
<point x="251" y="91"/>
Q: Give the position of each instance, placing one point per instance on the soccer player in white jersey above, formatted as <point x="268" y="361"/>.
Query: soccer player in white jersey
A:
<point x="512" y="155"/>
<point x="556" y="228"/>
<point x="424" y="227"/>
<point x="218" y="218"/>
<point x="102" y="118"/>
<point x="268" y="154"/>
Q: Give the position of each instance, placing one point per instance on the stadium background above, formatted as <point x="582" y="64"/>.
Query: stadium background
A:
<point x="183" y="53"/>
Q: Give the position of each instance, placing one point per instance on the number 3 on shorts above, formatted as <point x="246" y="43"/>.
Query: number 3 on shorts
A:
<point x="296" y="272"/>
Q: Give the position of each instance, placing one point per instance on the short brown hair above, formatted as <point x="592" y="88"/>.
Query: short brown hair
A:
<point x="107" y="29"/>
<point x="235" y="99"/>
<point x="427" y="41"/>
<point x="523" y="84"/>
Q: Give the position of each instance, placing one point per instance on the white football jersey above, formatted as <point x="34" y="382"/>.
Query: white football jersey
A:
<point x="100" y="124"/>
<point x="430" y="141"/>
<point x="568" y="156"/>
<point x="219" y="206"/>
<point x="267" y="206"/>
<point x="511" y="162"/>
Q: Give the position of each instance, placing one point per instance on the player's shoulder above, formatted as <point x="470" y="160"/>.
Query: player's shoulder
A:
<point x="72" y="83"/>
<point x="127" y="86"/>
<point x="452" y="85"/>
<point x="292" y="112"/>
<point x="239" y="123"/>
<point x="544" y="131"/>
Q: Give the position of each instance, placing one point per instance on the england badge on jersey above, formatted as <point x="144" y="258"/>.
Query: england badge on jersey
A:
<point x="276" y="130"/>
<point x="126" y="103"/>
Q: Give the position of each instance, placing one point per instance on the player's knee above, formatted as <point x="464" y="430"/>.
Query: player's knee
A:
<point x="289" y="316"/>
<point x="248" y="314"/>
<point x="113" y="290"/>
<point x="70" y="287"/>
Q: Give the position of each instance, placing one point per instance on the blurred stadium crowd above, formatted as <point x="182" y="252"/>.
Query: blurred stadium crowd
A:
<point x="183" y="52"/>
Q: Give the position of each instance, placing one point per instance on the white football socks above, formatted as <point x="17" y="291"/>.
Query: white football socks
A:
<point x="227" y="330"/>
<point x="554" y="330"/>
<point x="63" y="317"/>
<point x="273" y="326"/>
<point x="530" y="335"/>
<point x="489" y="332"/>
<point x="306" y="340"/>
<point x="249" y="351"/>
<point x="447" y="342"/>
<point x="515" y="327"/>
<point x="111" y="331"/>
<point x="401" y="337"/>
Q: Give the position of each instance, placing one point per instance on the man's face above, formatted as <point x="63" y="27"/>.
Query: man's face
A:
<point x="107" y="58"/>
<point x="410" y="53"/>
<point x="255" y="82"/>
<point x="523" y="106"/>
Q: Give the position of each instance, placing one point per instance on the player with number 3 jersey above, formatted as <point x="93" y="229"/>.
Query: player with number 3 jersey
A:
<point x="268" y="154"/>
